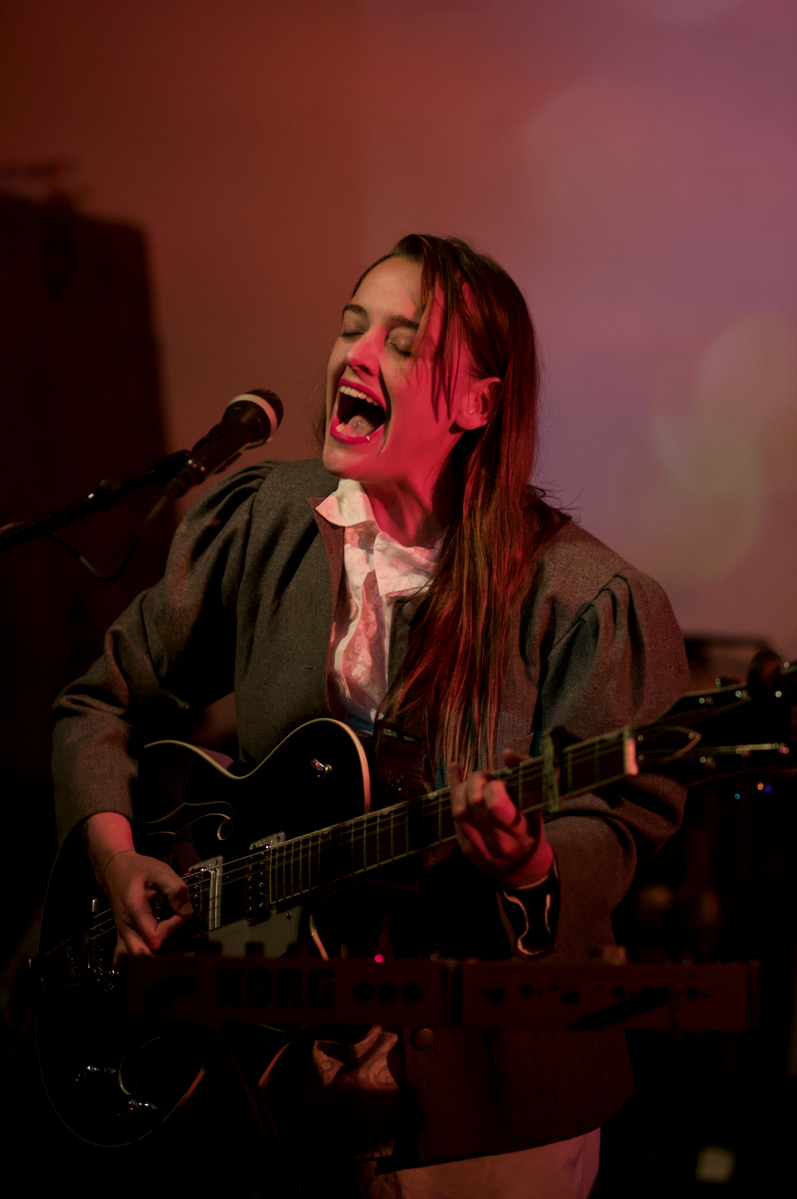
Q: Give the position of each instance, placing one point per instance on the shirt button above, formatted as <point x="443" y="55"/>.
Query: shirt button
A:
<point x="423" y="1038"/>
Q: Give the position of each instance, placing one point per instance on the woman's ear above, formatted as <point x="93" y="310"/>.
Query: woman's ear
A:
<point x="476" y="405"/>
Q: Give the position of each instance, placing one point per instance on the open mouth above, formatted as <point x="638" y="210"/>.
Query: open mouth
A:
<point x="357" y="414"/>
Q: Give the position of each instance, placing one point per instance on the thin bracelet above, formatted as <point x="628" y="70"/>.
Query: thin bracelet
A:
<point x="553" y="872"/>
<point x="118" y="854"/>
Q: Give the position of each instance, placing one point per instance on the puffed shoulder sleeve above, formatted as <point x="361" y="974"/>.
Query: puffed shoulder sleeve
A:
<point x="170" y="652"/>
<point x="618" y="660"/>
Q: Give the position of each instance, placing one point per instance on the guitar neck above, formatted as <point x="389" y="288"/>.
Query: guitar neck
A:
<point x="355" y="847"/>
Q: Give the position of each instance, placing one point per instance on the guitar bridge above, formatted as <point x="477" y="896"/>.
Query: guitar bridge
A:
<point x="204" y="888"/>
<point x="256" y="895"/>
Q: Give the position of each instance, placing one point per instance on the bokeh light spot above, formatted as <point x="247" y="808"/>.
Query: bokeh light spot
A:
<point x="598" y="163"/>
<point x="723" y="445"/>
<point x="684" y="12"/>
<point x="747" y="381"/>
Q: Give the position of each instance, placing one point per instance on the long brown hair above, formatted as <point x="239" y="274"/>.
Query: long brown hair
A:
<point x="452" y="674"/>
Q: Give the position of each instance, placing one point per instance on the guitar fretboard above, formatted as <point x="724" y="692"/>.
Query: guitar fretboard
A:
<point x="315" y="860"/>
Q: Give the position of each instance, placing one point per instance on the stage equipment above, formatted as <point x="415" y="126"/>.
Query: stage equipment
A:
<point x="442" y="994"/>
<point x="249" y="420"/>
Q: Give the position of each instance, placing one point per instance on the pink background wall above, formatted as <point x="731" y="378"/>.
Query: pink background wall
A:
<point x="633" y="163"/>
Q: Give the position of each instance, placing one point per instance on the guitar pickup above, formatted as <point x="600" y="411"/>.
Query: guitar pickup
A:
<point x="257" y="907"/>
<point x="204" y="888"/>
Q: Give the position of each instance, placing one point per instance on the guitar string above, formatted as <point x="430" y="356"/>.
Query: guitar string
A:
<point x="342" y="837"/>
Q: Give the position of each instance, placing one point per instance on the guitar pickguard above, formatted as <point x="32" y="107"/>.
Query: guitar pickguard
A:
<point x="273" y="938"/>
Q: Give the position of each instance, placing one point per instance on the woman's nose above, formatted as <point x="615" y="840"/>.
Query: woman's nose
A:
<point x="362" y="354"/>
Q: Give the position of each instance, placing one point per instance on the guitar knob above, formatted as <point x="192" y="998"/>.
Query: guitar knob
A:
<point x="321" y="768"/>
<point x="96" y="1074"/>
<point x="423" y="1038"/>
<point x="135" y="1107"/>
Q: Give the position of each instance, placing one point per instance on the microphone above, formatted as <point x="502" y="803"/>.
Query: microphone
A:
<point x="249" y="420"/>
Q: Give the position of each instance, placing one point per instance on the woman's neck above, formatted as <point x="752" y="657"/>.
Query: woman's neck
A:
<point x="409" y="517"/>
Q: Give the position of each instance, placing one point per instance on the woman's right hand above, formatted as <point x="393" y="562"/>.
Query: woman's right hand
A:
<point x="131" y="880"/>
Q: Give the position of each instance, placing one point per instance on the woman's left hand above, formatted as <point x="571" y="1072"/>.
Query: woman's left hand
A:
<point x="493" y="835"/>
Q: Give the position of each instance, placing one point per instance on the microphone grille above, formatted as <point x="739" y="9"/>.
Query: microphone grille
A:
<point x="270" y="398"/>
<point x="244" y="408"/>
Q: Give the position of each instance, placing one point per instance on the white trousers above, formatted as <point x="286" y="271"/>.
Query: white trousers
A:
<point x="563" y="1170"/>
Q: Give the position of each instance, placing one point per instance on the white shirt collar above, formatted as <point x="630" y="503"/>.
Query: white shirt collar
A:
<point x="348" y="505"/>
<point x="400" y="569"/>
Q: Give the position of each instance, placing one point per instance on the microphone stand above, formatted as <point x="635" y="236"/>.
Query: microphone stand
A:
<point x="106" y="495"/>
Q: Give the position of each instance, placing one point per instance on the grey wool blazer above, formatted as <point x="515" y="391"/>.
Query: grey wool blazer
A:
<point x="246" y="604"/>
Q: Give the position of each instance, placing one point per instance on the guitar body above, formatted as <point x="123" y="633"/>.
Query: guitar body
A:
<point x="113" y="1081"/>
<point x="263" y="854"/>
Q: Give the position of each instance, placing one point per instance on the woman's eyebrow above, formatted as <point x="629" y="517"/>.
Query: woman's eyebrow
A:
<point x="393" y="322"/>
<point x="356" y="309"/>
<point x="402" y="322"/>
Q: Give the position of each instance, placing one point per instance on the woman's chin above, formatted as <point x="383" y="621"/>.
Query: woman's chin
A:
<point x="341" y="459"/>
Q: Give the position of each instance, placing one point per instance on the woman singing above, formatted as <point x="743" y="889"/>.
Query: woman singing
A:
<point x="412" y="579"/>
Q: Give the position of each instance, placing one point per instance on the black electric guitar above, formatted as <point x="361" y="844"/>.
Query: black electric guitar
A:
<point x="261" y="851"/>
